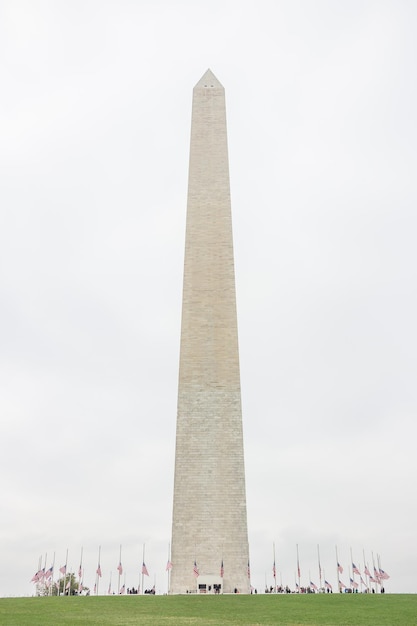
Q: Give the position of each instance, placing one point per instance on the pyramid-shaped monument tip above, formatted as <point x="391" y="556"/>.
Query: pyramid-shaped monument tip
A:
<point x="209" y="80"/>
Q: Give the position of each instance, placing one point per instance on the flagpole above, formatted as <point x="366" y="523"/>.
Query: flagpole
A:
<point x="275" y="573"/>
<point x="143" y="561"/>
<point x="365" y="569"/>
<point x="82" y="578"/>
<point x="37" y="574"/>
<point x="109" y="589"/>
<point x="382" y="584"/>
<point x="353" y="573"/>
<point x="222" y="572"/>
<point x="118" y="569"/>
<point x="337" y="571"/>
<point x="97" y="572"/>
<point x="80" y="570"/>
<point x="69" y="581"/>
<point x="379" y="572"/>
<point x="52" y="579"/>
<point x="195" y="566"/>
<point x="318" y="554"/>
<point x="44" y="570"/>
<point x="298" y="571"/>
<point x="65" y="573"/>
<point x="375" y="577"/>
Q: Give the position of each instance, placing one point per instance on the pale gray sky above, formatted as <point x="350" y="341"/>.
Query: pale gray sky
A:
<point x="95" y="117"/>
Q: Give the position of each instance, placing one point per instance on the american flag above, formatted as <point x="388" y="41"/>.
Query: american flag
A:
<point x="383" y="574"/>
<point x="327" y="585"/>
<point x="195" y="570"/>
<point x="313" y="586"/>
<point x="49" y="573"/>
<point x="169" y="566"/>
<point x="355" y="569"/>
<point x="342" y="584"/>
<point x="367" y="572"/>
<point x="372" y="579"/>
<point x="120" y="569"/>
<point x="339" y="568"/>
<point x="354" y="585"/>
<point x="80" y="571"/>
<point x="274" y="571"/>
<point x="37" y="577"/>
<point x="98" y="570"/>
<point x="222" y="570"/>
<point x="63" y="569"/>
<point x="122" y="590"/>
<point x="144" y="569"/>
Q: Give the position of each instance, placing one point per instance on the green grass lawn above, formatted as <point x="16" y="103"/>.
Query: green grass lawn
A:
<point x="255" y="610"/>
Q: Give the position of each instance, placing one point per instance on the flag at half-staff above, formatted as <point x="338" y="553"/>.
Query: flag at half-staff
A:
<point x="318" y="556"/>
<point x="98" y="572"/>
<point x="274" y="572"/>
<point x="119" y="569"/>
<point x="298" y="572"/>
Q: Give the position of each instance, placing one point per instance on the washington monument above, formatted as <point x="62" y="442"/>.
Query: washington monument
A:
<point x="210" y="552"/>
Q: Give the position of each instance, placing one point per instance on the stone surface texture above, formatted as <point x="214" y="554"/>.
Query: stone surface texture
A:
<point x="209" y="511"/>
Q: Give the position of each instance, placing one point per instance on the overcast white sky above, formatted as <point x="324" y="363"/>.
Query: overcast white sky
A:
<point x="95" y="115"/>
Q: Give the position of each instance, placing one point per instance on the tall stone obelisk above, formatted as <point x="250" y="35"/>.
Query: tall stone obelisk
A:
<point x="209" y="527"/>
